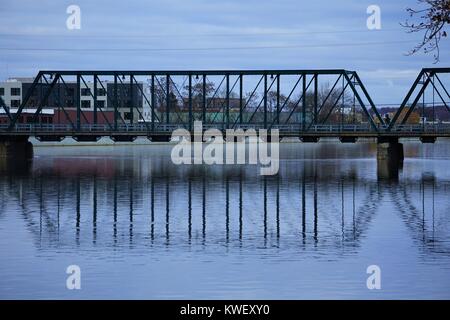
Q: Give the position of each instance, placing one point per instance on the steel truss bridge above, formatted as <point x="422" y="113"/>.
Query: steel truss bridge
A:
<point x="300" y="103"/>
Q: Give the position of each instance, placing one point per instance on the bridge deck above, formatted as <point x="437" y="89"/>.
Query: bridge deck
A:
<point x="295" y="130"/>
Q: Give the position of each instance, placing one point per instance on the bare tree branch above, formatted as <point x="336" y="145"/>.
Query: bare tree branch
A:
<point x="432" y="20"/>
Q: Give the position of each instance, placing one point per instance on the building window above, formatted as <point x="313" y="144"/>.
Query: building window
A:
<point x="2" y="91"/>
<point x="101" y="92"/>
<point x="15" y="103"/>
<point x="15" y="91"/>
<point x="101" y="104"/>
<point x="127" y="115"/>
<point x="85" y="92"/>
<point x="69" y="103"/>
<point x="70" y="92"/>
<point x="85" y="104"/>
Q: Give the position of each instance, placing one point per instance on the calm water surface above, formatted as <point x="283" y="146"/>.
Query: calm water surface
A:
<point x="140" y="227"/>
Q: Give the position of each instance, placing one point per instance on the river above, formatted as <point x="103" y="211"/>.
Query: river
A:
<point x="139" y="226"/>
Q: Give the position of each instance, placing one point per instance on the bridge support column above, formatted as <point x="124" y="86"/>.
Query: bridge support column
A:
<point x="309" y="139"/>
<point x="389" y="158"/>
<point x="16" y="147"/>
<point x="428" y="139"/>
<point x="159" y="138"/>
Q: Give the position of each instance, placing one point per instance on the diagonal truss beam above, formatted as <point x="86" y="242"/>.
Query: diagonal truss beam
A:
<point x="406" y="99"/>
<point x="25" y="100"/>
<point x="361" y="103"/>
<point x="439" y="94"/>
<point x="286" y="100"/>
<point x="44" y="99"/>
<point x="366" y="94"/>
<point x="3" y="105"/>
<point x="94" y="96"/>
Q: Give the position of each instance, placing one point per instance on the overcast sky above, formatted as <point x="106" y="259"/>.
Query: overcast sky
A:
<point x="207" y="34"/>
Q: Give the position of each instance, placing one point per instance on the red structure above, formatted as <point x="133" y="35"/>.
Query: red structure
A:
<point x="27" y="116"/>
<point x="51" y="116"/>
<point x="87" y="117"/>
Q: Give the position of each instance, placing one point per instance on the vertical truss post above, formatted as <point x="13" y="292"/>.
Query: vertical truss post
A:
<point x="95" y="100"/>
<point x="241" y="97"/>
<point x="167" y="98"/>
<point x="304" y="102"/>
<point x="44" y="99"/>
<point x="278" y="99"/>
<point x="316" y="95"/>
<point x="366" y="94"/>
<point x="405" y="101"/>
<point x="265" y="100"/>
<point x="153" y="106"/>
<point x="361" y="103"/>
<point x="435" y="90"/>
<point x="115" y="102"/>
<point x="190" y="102"/>
<point x="337" y="99"/>
<point x="414" y="104"/>
<point x="227" y="101"/>
<point x="131" y="99"/>
<point x="434" y="114"/>
<point x="78" y="102"/>
<point x="204" y="99"/>
<point x="95" y="103"/>
<point x="343" y="102"/>
<point x="40" y="87"/>
<point x="59" y="101"/>
<point x="354" y="109"/>
<point x="423" y="106"/>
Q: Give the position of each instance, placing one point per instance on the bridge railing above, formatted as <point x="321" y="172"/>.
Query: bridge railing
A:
<point x="171" y="127"/>
<point x="36" y="129"/>
<point x="418" y="128"/>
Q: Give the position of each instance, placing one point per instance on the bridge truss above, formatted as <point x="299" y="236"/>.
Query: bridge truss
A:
<point x="145" y="103"/>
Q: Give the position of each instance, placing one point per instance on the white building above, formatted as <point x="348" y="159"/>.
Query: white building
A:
<point x="11" y="92"/>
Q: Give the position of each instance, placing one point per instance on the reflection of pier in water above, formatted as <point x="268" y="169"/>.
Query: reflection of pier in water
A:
<point x="428" y="226"/>
<point x="313" y="209"/>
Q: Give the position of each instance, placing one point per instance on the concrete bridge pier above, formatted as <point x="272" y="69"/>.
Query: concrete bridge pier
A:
<point x="389" y="158"/>
<point x="16" y="154"/>
<point x="159" y="138"/>
<point x="16" y="147"/>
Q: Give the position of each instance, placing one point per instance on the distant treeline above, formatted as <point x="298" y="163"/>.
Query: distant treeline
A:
<point x="440" y="112"/>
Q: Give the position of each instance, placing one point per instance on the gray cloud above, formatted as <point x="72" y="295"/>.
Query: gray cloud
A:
<point x="265" y="34"/>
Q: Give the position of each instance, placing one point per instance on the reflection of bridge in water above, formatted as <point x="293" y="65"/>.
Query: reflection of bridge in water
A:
<point x="228" y="209"/>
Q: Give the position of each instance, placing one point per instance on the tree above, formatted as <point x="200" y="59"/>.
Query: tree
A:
<point x="432" y="21"/>
<point x="327" y="99"/>
<point x="251" y="100"/>
<point x="197" y="92"/>
<point x="413" y="118"/>
<point x="160" y="93"/>
<point x="272" y="100"/>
